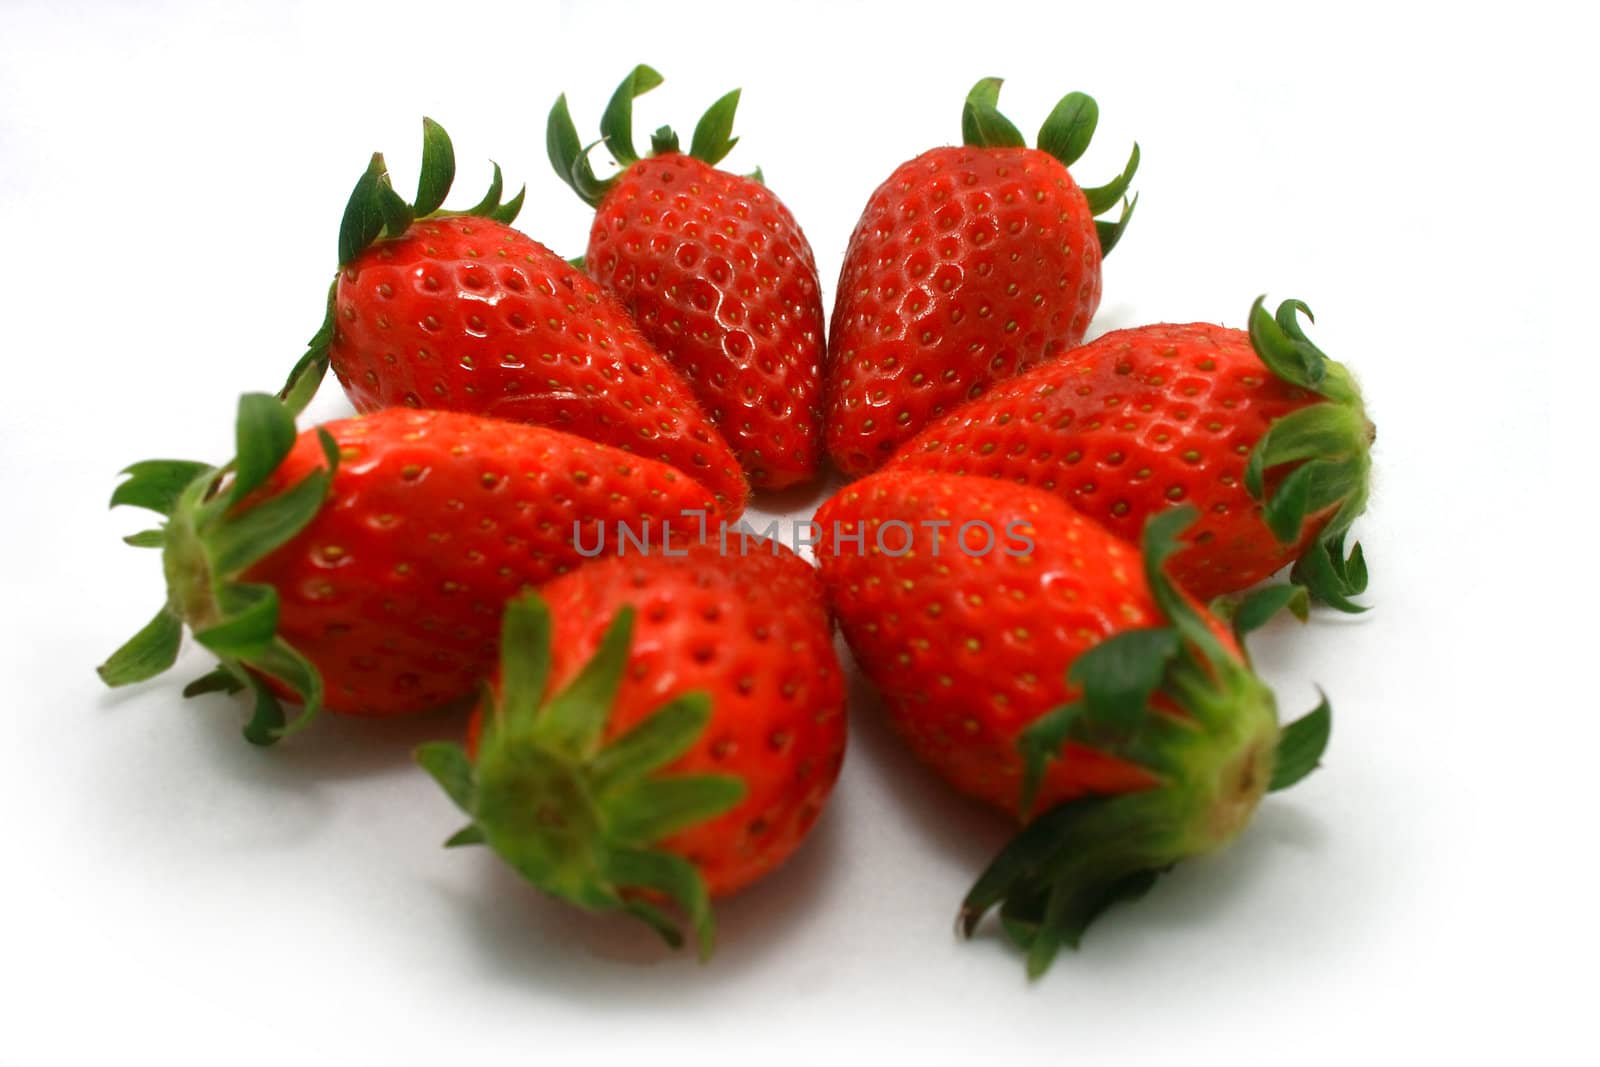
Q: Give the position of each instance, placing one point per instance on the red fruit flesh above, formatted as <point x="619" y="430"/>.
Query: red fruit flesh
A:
<point x="394" y="591"/>
<point x="969" y="266"/>
<point x="968" y="647"/>
<point x="721" y="280"/>
<point x="752" y="632"/>
<point x="466" y="314"/>
<point x="1133" y="423"/>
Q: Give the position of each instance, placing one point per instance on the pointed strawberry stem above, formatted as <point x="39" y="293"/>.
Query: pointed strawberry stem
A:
<point x="1323" y="451"/>
<point x="1066" y="134"/>
<point x="157" y="484"/>
<point x="616" y="124"/>
<point x="577" y="816"/>
<point x="713" y="136"/>
<point x="215" y="530"/>
<point x="375" y="211"/>
<point x="982" y="124"/>
<point x="1177" y="700"/>
<point x="1300" y="746"/>
<point x="1331" y="576"/>
<point x="1248" y="612"/>
<point x="663" y="140"/>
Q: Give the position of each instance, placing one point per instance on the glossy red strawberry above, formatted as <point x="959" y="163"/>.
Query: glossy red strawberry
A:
<point x="663" y="729"/>
<point x="968" y="639"/>
<point x="1259" y="431"/>
<point x="717" y="273"/>
<point x="969" y="265"/>
<point x="363" y="566"/>
<point x="1039" y="663"/>
<point x="462" y="313"/>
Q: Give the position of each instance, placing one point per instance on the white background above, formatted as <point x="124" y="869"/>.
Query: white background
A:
<point x="171" y="181"/>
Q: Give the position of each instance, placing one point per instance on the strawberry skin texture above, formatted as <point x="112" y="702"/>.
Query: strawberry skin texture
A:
<point x="721" y="280"/>
<point x="466" y="314"/>
<point x="967" y="650"/>
<point x="434" y="519"/>
<point x="1132" y="423"/>
<point x="969" y="266"/>
<point x="753" y="632"/>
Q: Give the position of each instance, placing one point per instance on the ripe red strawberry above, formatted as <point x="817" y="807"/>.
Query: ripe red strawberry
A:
<point x="717" y="273"/>
<point x="662" y="728"/>
<point x="968" y="266"/>
<point x="1033" y="659"/>
<point x="462" y="313"/>
<point x="363" y="567"/>
<point x="1260" y="432"/>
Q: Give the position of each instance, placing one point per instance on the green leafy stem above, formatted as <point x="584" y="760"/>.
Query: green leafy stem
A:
<point x="576" y="816"/>
<point x="1327" y="448"/>
<point x="713" y="136"/>
<point x="214" y="531"/>
<point x="1175" y="700"/>
<point x="1066" y="134"/>
<point x="374" y="211"/>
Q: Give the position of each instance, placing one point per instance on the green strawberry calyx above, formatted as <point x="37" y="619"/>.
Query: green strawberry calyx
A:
<point x="215" y="530"/>
<point x="1066" y="134"/>
<point x="1177" y="701"/>
<point x="1328" y="444"/>
<point x="575" y="815"/>
<point x="376" y="211"/>
<point x="713" y="136"/>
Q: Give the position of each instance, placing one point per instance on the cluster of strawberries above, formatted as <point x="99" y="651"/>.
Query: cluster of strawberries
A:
<point x="1020" y="570"/>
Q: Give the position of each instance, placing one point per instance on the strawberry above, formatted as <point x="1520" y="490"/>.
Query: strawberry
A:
<point x="1258" y="431"/>
<point x="1035" y="661"/>
<point x="458" y="311"/>
<point x="363" y="566"/>
<point x="717" y="273"/>
<point x="662" y="727"/>
<point x="968" y="266"/>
